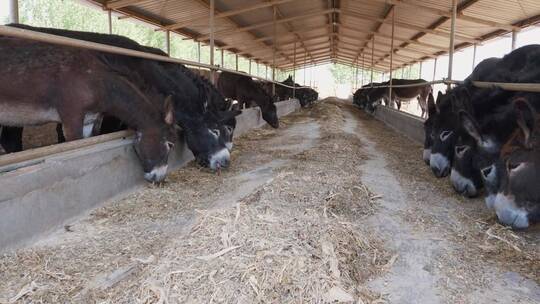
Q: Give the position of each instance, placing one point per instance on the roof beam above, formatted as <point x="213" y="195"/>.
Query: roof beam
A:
<point x="226" y="13"/>
<point x="121" y="3"/>
<point x="443" y="13"/>
<point x="424" y="44"/>
<point x="264" y="24"/>
<point x="461" y="7"/>
<point x="410" y="26"/>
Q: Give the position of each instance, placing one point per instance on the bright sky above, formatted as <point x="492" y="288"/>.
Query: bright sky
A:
<point x="4" y="7"/>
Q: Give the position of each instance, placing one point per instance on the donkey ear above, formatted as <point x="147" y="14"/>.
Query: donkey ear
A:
<point x="526" y="115"/>
<point x="169" y="110"/>
<point x="432" y="107"/>
<point x="439" y="96"/>
<point x="470" y="126"/>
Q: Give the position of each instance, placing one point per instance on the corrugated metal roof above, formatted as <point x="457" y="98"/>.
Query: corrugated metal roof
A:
<point x="338" y="30"/>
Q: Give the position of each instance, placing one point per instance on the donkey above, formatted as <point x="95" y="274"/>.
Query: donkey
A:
<point x="208" y="128"/>
<point x="517" y="203"/>
<point x="82" y="86"/>
<point x="521" y="65"/>
<point x="246" y="91"/>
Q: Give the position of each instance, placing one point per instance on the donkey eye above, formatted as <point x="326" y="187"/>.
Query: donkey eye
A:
<point x="169" y="144"/>
<point x="514" y="167"/>
<point x="445" y="135"/>
<point x="215" y="132"/>
<point x="460" y="150"/>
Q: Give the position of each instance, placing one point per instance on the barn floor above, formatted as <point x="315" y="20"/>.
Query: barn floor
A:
<point x="333" y="206"/>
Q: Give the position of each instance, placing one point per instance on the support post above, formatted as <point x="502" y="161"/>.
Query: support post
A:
<point x="391" y="100"/>
<point x="222" y="58"/>
<point x="356" y="77"/>
<point x="249" y="66"/>
<point x="14" y="11"/>
<point x="236" y="58"/>
<point x="434" y="69"/>
<point x="420" y="71"/>
<point x="274" y="47"/>
<point x="266" y="72"/>
<point x="452" y="37"/>
<point x="109" y="15"/>
<point x="212" y="46"/>
<point x="474" y="57"/>
<point x="168" y="42"/>
<point x="294" y="70"/>
<point x="514" y="39"/>
<point x="372" y="56"/>
<point x="363" y="61"/>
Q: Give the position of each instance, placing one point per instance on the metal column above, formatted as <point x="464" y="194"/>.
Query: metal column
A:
<point x="363" y="65"/>
<point x="294" y="71"/>
<point x="109" y="15"/>
<point x="14" y="11"/>
<point x="514" y="39"/>
<point x="390" y="101"/>
<point x="474" y="57"/>
<point x="274" y="47"/>
<point x="372" y="56"/>
<point x="236" y="58"/>
<point x="212" y="46"/>
<point x="452" y="38"/>
<point x="168" y="42"/>
<point x="434" y="69"/>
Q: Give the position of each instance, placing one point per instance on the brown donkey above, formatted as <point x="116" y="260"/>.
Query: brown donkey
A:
<point x="42" y="83"/>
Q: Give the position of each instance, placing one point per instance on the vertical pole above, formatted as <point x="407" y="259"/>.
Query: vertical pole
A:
<point x="372" y="56"/>
<point x="222" y="58"/>
<point x="434" y="69"/>
<point x="363" y="65"/>
<point x="266" y="72"/>
<point x="14" y="11"/>
<point x="420" y="71"/>
<point x="356" y="77"/>
<point x="212" y="46"/>
<point x="236" y="58"/>
<point x="274" y="46"/>
<point x="199" y="53"/>
<point x="305" y="67"/>
<point x="249" y="66"/>
<point x="474" y="57"/>
<point x="168" y="42"/>
<point x="294" y="70"/>
<point x="514" y="39"/>
<point x="109" y="15"/>
<point x="452" y="37"/>
<point x="391" y="101"/>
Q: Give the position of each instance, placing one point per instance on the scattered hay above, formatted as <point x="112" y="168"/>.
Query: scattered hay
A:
<point x="299" y="238"/>
<point x="476" y="238"/>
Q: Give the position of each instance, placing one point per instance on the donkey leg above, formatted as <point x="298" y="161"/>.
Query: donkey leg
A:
<point x="11" y="139"/>
<point x="73" y="126"/>
<point x="60" y="133"/>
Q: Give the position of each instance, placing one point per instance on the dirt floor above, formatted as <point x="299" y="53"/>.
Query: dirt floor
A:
<point x="331" y="207"/>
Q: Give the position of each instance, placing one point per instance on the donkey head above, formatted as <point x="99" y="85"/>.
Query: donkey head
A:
<point x="517" y="203"/>
<point x="153" y="144"/>
<point x="445" y="130"/>
<point x="428" y="128"/>
<point x="269" y="112"/>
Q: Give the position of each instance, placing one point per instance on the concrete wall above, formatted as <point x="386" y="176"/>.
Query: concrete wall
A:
<point x="43" y="196"/>
<point x="404" y="123"/>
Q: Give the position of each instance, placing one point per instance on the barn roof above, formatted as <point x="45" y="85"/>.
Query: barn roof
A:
<point x="345" y="31"/>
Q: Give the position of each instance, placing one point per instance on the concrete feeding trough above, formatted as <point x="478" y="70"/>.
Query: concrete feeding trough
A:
<point x="41" y="194"/>
<point x="402" y="122"/>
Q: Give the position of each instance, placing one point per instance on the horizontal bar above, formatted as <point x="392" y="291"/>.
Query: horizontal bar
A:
<point x="60" y="40"/>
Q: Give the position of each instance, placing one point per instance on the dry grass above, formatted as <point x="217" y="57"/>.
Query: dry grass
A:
<point x="476" y="239"/>
<point x="296" y="238"/>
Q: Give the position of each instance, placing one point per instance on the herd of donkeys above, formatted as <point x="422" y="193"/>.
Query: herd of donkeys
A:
<point x="87" y="92"/>
<point x="488" y="139"/>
